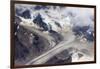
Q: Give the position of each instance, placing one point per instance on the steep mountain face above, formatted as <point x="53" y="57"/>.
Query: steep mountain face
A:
<point x="39" y="7"/>
<point x="38" y="20"/>
<point x="26" y="14"/>
<point x="84" y="31"/>
<point x="39" y="29"/>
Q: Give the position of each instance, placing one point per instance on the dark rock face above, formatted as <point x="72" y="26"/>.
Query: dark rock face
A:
<point x="89" y="36"/>
<point x="18" y="11"/>
<point x="58" y="37"/>
<point x="80" y="30"/>
<point x="85" y="28"/>
<point x="84" y="31"/>
<point x="38" y="7"/>
<point x="80" y="55"/>
<point x="58" y="24"/>
<point x="38" y="20"/>
<point x="26" y="14"/>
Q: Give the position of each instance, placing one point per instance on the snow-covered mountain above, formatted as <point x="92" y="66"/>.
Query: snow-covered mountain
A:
<point x="41" y="28"/>
<point x="57" y="18"/>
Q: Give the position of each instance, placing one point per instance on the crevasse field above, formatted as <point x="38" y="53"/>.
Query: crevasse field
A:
<point x="53" y="34"/>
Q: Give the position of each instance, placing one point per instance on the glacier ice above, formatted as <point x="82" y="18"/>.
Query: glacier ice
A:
<point x="39" y="29"/>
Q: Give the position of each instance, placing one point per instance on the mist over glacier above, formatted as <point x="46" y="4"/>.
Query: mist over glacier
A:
<point x="40" y="29"/>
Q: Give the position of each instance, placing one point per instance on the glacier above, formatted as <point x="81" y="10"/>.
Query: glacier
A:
<point x="45" y="33"/>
